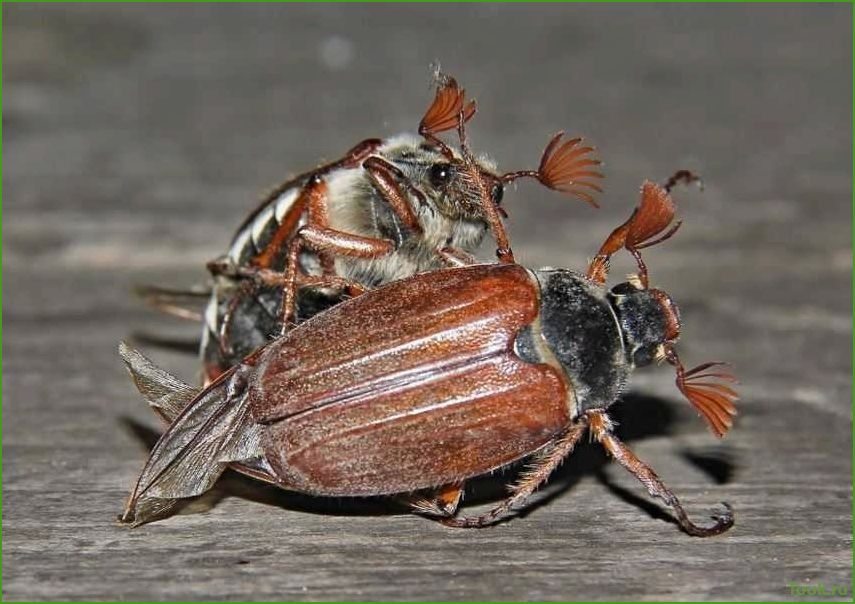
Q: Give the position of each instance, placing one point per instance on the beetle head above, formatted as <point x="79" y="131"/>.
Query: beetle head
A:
<point x="649" y="320"/>
<point x="457" y="186"/>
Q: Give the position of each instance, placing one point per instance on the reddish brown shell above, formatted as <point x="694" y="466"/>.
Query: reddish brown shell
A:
<point x="409" y="386"/>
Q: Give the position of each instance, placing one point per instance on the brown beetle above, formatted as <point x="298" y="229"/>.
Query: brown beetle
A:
<point x="438" y="378"/>
<point x="388" y="209"/>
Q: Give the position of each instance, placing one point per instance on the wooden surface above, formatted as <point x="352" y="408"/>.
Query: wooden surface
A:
<point x="136" y="138"/>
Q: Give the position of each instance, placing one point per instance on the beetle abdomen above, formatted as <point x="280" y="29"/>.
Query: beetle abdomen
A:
<point x="411" y="385"/>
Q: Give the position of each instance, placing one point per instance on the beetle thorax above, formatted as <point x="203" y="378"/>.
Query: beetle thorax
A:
<point x="579" y="327"/>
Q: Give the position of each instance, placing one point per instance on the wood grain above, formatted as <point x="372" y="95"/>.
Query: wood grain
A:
<point x="136" y="140"/>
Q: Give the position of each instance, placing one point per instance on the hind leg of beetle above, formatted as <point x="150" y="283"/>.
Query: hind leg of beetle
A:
<point x="436" y="503"/>
<point x="601" y="428"/>
<point x="546" y="461"/>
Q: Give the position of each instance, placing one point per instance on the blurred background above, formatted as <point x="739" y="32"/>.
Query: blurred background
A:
<point x="136" y="138"/>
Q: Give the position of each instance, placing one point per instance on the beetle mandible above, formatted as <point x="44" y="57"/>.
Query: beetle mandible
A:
<point x="438" y="378"/>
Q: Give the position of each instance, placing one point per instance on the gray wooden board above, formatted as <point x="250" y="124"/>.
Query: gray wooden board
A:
<point x="136" y="138"/>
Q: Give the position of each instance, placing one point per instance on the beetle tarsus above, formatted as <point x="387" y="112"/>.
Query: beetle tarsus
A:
<point x="723" y="522"/>
<point x="686" y="177"/>
<point x="505" y="255"/>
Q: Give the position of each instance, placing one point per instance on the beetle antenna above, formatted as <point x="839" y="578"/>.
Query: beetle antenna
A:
<point x="448" y="109"/>
<point x="704" y="389"/>
<point x="565" y="167"/>
<point x="649" y="224"/>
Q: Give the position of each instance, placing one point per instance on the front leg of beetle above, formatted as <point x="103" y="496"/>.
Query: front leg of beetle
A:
<point x="390" y="182"/>
<point x="546" y="461"/>
<point x="601" y="429"/>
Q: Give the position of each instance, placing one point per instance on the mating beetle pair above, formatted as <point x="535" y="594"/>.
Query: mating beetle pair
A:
<point x="387" y="210"/>
<point x="426" y="382"/>
<point x="429" y="381"/>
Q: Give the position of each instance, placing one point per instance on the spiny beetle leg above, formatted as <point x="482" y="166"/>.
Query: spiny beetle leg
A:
<point x="546" y="461"/>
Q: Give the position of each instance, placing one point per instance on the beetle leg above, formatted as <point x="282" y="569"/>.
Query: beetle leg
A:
<point x="453" y="256"/>
<point x="436" y="503"/>
<point x="547" y="460"/>
<point x="344" y="244"/>
<point x="601" y="429"/>
<point x="176" y="302"/>
<point x="356" y="155"/>
<point x="331" y="241"/>
<point x="316" y="236"/>
<point x="387" y="179"/>
<point x="494" y="220"/>
<point x="682" y="176"/>
<point x="224" y="267"/>
<point x="319" y="240"/>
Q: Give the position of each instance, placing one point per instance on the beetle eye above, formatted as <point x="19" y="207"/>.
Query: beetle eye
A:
<point x="439" y="174"/>
<point x="498" y="193"/>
